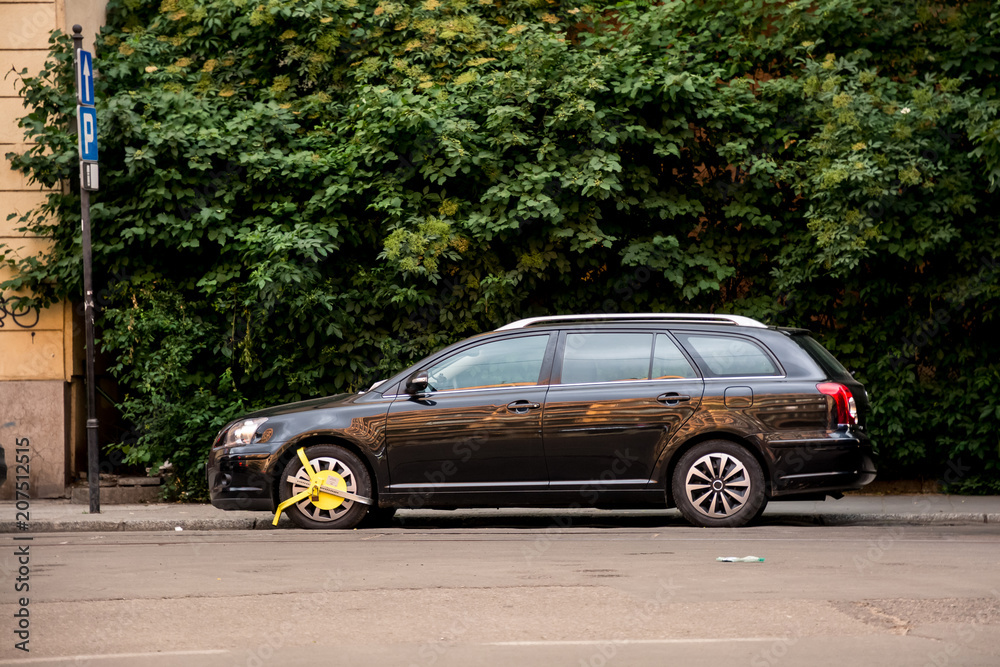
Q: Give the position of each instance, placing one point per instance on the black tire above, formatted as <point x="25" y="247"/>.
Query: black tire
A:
<point x="727" y="485"/>
<point x="346" y="514"/>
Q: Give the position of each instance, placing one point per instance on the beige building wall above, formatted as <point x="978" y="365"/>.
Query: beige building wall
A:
<point x="40" y="353"/>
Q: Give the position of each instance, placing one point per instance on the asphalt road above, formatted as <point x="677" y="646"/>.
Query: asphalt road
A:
<point x="615" y="592"/>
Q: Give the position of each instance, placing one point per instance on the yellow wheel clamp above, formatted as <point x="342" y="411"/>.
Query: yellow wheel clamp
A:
<point x="327" y="490"/>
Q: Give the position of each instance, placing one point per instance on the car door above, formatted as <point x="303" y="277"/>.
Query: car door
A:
<point x="616" y="399"/>
<point x="478" y="425"/>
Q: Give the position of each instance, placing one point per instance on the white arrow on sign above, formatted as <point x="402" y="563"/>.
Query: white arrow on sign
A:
<point x="85" y="78"/>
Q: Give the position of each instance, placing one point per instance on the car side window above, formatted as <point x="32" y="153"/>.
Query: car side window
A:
<point x="669" y="363"/>
<point x="606" y="357"/>
<point x="729" y="356"/>
<point x="511" y="362"/>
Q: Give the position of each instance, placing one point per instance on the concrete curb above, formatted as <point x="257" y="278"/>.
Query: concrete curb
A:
<point x="138" y="525"/>
<point x="264" y="522"/>
<point x="878" y="519"/>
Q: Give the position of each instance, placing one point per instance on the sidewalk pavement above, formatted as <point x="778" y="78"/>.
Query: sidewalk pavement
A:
<point x="57" y="516"/>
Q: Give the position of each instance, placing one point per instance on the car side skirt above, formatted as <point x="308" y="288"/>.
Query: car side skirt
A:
<point x="580" y="496"/>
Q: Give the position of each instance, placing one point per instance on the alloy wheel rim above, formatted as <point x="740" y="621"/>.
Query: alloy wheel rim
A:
<point x="301" y="483"/>
<point x="717" y="485"/>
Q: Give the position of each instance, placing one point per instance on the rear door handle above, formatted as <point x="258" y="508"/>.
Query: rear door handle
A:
<point x="672" y="398"/>
<point x="522" y="406"/>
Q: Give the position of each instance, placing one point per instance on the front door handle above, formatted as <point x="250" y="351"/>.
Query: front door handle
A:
<point x="522" y="406"/>
<point x="672" y="398"/>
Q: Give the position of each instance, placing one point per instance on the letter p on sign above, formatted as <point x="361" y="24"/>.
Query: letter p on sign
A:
<point x="87" y="128"/>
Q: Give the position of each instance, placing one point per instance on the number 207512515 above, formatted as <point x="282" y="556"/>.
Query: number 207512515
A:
<point x="22" y="484"/>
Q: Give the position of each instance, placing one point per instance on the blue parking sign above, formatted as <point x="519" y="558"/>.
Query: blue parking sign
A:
<point x="87" y="128"/>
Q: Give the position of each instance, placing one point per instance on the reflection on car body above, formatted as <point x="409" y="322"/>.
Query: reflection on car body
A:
<point x="713" y="414"/>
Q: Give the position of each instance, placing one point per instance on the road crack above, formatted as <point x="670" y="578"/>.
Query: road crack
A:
<point x="871" y="613"/>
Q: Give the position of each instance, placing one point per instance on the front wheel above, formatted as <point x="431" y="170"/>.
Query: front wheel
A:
<point x="718" y="483"/>
<point x="342" y="469"/>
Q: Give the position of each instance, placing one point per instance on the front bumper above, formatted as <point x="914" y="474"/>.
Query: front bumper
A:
<point x="240" y="481"/>
<point x="839" y="461"/>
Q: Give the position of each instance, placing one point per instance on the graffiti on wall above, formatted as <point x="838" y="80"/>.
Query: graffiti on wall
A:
<point x="24" y="317"/>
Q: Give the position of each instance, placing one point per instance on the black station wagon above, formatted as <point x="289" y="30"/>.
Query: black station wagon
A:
<point x="713" y="414"/>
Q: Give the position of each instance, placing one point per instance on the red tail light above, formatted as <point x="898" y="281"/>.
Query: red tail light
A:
<point x="843" y="402"/>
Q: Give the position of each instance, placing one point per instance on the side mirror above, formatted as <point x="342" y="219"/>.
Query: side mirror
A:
<point x="417" y="383"/>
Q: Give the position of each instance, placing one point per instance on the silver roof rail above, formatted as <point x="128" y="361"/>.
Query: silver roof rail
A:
<point x="702" y="318"/>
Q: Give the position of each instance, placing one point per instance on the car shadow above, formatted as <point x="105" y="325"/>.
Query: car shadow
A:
<point x="533" y="520"/>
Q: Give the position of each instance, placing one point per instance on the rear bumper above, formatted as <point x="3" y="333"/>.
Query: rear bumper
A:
<point x="838" y="461"/>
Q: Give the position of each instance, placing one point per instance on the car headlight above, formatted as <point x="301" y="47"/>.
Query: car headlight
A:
<point x="242" y="432"/>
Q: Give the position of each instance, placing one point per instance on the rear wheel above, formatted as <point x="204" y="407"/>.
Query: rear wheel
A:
<point x="718" y="483"/>
<point x="342" y="469"/>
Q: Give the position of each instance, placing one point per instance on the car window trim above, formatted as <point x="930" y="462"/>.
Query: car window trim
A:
<point x="620" y="382"/>
<point x="727" y="378"/>
<point x="452" y="392"/>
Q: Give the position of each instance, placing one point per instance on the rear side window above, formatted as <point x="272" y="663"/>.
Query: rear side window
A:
<point x="669" y="362"/>
<point x="606" y="357"/>
<point x="728" y="356"/>
<point x="821" y="355"/>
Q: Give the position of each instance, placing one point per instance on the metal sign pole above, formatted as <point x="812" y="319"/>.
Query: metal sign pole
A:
<point x="93" y="452"/>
